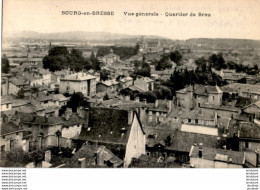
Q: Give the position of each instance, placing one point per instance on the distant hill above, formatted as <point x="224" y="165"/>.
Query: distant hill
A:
<point x="223" y="42"/>
<point x="76" y="35"/>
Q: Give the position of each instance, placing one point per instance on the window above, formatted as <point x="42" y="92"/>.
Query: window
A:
<point x="246" y="145"/>
<point x="2" y="148"/>
<point x="17" y="133"/>
<point x="213" y="97"/>
<point x="189" y="120"/>
<point x="7" y="106"/>
<point x="196" y="121"/>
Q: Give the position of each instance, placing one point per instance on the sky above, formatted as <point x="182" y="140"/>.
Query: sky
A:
<point x="229" y="18"/>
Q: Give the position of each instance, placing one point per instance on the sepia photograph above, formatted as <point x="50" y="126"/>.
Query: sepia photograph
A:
<point x="130" y="84"/>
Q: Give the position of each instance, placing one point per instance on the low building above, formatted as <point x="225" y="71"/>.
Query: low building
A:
<point x="221" y="111"/>
<point x="204" y="157"/>
<point x="195" y="117"/>
<point x="247" y="90"/>
<point x="157" y="112"/>
<point x="183" y="141"/>
<point x="251" y="112"/>
<point x="108" y="86"/>
<point x="144" y="83"/>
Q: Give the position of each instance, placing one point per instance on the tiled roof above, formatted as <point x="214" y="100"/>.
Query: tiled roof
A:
<point x="249" y="130"/>
<point x="109" y="82"/>
<point x="6" y="99"/>
<point x="126" y="79"/>
<point x="135" y="88"/>
<point x="214" y="154"/>
<point x="19" y="102"/>
<point x="78" y="77"/>
<point x="254" y="89"/>
<point x="74" y="119"/>
<point x="89" y="152"/>
<point x="18" y="81"/>
<point x="190" y="114"/>
<point x="159" y="135"/>
<point x="107" y="125"/>
<point x="121" y="104"/>
<point x="162" y="106"/>
<point x="9" y="127"/>
<point x="182" y="141"/>
<point x="225" y="108"/>
<point x="59" y="97"/>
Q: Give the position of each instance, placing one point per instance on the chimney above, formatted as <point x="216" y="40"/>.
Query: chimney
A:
<point x="137" y="99"/>
<point x="82" y="162"/>
<point x="47" y="156"/>
<point x="200" y="150"/>
<point x="68" y="113"/>
<point x="127" y="97"/>
<point x="156" y="103"/>
<point x="145" y="101"/>
<point x="169" y="105"/>
<point x="200" y="112"/>
<point x="130" y="117"/>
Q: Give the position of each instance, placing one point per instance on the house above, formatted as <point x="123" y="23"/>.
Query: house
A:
<point x="108" y="86"/>
<point x="251" y="112"/>
<point x="144" y="83"/>
<point x="150" y="46"/>
<point x="126" y="82"/>
<point x="226" y="72"/>
<point x="110" y="58"/>
<point x="17" y="83"/>
<point x="158" y="111"/>
<point x="162" y="75"/>
<point x="32" y="78"/>
<point x="119" y="130"/>
<point x="206" y="157"/>
<point x="78" y="82"/>
<point x="247" y="90"/>
<point x="129" y="105"/>
<point x="12" y="137"/>
<point x="184" y="98"/>
<point x="195" y="116"/>
<point x="183" y="141"/>
<point x="221" y="111"/>
<point x="6" y="103"/>
<point x="194" y="96"/>
<point x="249" y="136"/>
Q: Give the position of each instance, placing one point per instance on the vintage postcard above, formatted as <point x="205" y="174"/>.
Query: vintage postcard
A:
<point x="130" y="84"/>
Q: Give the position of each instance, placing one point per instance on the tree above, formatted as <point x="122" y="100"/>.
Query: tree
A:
<point x="57" y="59"/>
<point x="77" y="99"/>
<point x="201" y="63"/>
<point x="176" y="56"/>
<point x="217" y="61"/>
<point x="163" y="63"/>
<point x="60" y="58"/>
<point x="104" y="74"/>
<point x="5" y="64"/>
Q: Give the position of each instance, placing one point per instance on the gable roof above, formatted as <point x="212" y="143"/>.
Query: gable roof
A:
<point x="107" y="125"/>
<point x="9" y="127"/>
